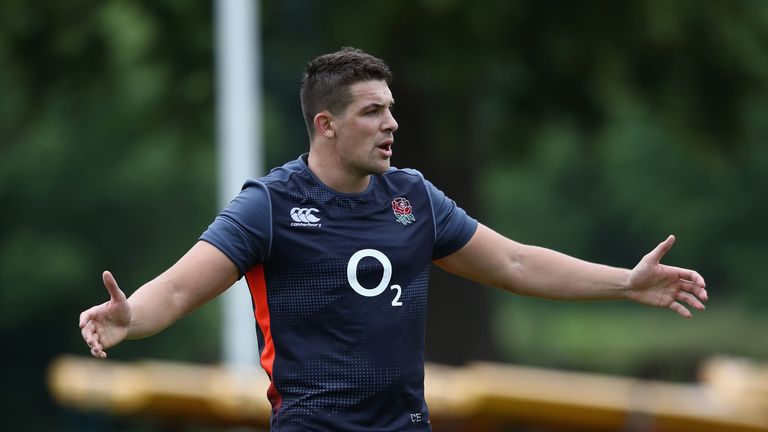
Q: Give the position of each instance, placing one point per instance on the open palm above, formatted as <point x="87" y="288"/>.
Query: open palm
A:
<point x="105" y="325"/>
<point x="655" y="284"/>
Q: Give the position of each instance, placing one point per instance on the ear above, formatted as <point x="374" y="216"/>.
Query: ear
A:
<point x="324" y="124"/>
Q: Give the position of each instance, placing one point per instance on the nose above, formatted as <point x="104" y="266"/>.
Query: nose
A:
<point x="390" y="124"/>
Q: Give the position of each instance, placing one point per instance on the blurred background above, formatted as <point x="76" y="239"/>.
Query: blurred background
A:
<point x="595" y="128"/>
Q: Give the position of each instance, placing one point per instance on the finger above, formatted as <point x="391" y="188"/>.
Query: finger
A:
<point x="115" y="294"/>
<point x="663" y="247"/>
<point x="94" y="344"/>
<point x="98" y="353"/>
<point x="702" y="294"/>
<point x="97" y="349"/>
<point x="689" y="275"/>
<point x="84" y="318"/>
<point x="694" y="288"/>
<point x="696" y="278"/>
<point x="680" y="309"/>
<point x="692" y="282"/>
<point x="690" y="300"/>
<point x="89" y="315"/>
<point x="89" y="335"/>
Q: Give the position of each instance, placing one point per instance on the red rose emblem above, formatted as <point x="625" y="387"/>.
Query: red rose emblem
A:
<point x="403" y="210"/>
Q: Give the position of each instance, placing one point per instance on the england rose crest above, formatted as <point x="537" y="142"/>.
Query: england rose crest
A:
<point x="403" y="210"/>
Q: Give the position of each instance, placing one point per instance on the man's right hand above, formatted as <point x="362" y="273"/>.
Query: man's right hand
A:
<point x="106" y="325"/>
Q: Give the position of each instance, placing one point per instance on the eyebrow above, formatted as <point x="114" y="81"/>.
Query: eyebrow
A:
<point x="379" y="105"/>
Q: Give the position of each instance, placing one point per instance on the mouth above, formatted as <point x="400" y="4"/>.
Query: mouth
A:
<point x="386" y="148"/>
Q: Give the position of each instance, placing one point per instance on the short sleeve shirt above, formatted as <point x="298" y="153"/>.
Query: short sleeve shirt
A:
<point x="339" y="290"/>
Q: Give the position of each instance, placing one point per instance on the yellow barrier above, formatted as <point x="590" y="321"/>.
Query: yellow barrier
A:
<point x="503" y="394"/>
<point x="210" y="394"/>
<point x="479" y="396"/>
<point x="741" y="382"/>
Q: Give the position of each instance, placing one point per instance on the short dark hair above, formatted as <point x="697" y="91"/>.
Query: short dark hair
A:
<point x="325" y="85"/>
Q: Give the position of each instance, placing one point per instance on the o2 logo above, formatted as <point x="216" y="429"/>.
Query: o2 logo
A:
<point x="385" y="278"/>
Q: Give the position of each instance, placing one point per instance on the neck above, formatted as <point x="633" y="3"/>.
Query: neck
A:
<point x="329" y="170"/>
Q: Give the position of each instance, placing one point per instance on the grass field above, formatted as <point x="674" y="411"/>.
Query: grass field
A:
<point x="625" y="338"/>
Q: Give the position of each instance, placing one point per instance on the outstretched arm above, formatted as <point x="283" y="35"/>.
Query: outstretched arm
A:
<point x="492" y="259"/>
<point x="200" y="275"/>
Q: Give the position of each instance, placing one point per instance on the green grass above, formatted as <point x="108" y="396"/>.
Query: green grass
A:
<point x="625" y="338"/>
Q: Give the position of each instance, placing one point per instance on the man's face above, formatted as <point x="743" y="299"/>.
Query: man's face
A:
<point x="365" y="130"/>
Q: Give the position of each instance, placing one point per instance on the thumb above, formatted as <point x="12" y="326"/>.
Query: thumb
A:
<point x="115" y="294"/>
<point x="663" y="247"/>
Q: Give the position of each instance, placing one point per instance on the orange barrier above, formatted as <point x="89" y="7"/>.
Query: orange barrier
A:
<point x="479" y="396"/>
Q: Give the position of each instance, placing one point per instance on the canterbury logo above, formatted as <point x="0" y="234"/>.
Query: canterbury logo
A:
<point x="304" y="215"/>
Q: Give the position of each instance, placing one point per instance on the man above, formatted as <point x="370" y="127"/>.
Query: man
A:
<point x="336" y="247"/>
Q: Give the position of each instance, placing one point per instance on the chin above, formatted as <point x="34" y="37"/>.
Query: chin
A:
<point x="381" y="167"/>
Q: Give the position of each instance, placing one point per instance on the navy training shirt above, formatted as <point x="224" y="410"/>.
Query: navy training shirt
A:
<point x="339" y="289"/>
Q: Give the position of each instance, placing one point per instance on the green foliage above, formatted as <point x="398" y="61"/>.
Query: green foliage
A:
<point x="656" y="127"/>
<point x="106" y="162"/>
<point x="106" y="147"/>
